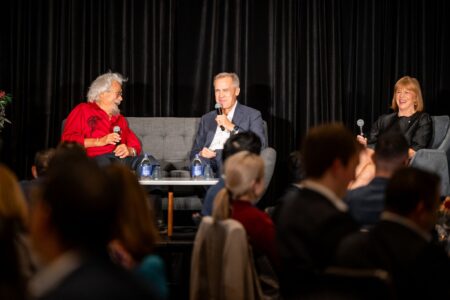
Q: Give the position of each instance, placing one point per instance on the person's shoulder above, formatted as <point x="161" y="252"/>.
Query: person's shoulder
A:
<point x="85" y="106"/>
<point x="209" y="115"/>
<point x="247" y="109"/>
<point x="388" y="116"/>
<point x="424" y="116"/>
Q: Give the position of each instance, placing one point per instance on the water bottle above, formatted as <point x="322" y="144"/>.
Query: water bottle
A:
<point x="156" y="174"/>
<point x="196" y="167"/>
<point x="208" y="172"/>
<point x="146" y="168"/>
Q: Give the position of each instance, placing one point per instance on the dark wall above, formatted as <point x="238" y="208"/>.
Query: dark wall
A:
<point x="301" y="62"/>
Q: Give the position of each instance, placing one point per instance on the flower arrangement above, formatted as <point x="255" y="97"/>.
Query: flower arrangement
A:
<point x="4" y="100"/>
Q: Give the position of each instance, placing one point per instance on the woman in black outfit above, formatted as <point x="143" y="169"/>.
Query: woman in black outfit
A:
<point x="408" y="118"/>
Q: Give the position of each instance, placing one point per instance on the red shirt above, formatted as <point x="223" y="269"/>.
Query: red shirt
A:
<point x="88" y="120"/>
<point x="259" y="227"/>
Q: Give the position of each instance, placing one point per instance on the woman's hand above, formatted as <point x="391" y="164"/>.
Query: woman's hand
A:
<point x="362" y="140"/>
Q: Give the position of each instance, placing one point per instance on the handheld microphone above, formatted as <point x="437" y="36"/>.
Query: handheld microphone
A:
<point x="117" y="130"/>
<point x="219" y="111"/>
<point x="360" y="123"/>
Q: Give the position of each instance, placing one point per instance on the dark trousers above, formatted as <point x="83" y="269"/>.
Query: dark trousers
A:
<point x="130" y="161"/>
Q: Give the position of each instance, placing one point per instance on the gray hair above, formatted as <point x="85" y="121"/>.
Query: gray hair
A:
<point x="233" y="76"/>
<point x="102" y="84"/>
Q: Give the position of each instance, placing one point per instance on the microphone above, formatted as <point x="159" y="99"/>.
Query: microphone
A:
<point x="219" y="111"/>
<point x="116" y="129"/>
<point x="360" y="123"/>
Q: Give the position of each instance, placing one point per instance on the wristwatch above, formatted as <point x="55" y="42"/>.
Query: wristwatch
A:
<point x="235" y="129"/>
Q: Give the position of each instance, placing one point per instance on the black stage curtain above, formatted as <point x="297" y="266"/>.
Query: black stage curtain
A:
<point x="301" y="62"/>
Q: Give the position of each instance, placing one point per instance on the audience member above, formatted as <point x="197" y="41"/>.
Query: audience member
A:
<point x="401" y="242"/>
<point x="313" y="218"/>
<point x="216" y="128"/>
<point x="243" y="141"/>
<point x="244" y="182"/>
<point x="295" y="169"/>
<point x="100" y="128"/>
<point x="367" y="202"/>
<point x="72" y="221"/>
<point x="409" y="119"/>
<point x="15" y="259"/>
<point x="38" y="169"/>
<point x="295" y="174"/>
<point x="136" y="234"/>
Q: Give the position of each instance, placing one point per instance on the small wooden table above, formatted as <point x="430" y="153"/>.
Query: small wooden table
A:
<point x="170" y="183"/>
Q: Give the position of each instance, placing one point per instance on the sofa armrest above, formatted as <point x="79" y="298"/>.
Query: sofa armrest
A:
<point x="434" y="161"/>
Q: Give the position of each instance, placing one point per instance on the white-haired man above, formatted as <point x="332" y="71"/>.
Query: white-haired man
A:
<point x="215" y="129"/>
<point x="95" y="124"/>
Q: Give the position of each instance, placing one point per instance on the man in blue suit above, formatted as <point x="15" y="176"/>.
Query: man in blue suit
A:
<point x="215" y="129"/>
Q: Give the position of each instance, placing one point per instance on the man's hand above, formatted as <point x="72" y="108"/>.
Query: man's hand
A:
<point x="206" y="153"/>
<point x="222" y="120"/>
<point x="122" y="151"/>
<point x="111" y="139"/>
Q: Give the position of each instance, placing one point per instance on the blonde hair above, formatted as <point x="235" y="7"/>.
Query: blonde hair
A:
<point x="409" y="83"/>
<point x="13" y="206"/>
<point x="242" y="170"/>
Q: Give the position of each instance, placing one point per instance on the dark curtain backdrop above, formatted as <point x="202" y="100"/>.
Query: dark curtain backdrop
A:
<point x="301" y="62"/>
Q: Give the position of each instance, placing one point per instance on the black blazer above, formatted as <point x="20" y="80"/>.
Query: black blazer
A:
<point x="247" y="118"/>
<point x="417" y="128"/>
<point x="419" y="269"/>
<point x="309" y="229"/>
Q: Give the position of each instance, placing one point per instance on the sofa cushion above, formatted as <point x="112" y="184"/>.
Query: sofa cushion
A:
<point x="168" y="139"/>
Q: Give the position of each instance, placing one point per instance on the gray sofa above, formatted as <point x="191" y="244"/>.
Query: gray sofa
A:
<point x="437" y="157"/>
<point x="170" y="141"/>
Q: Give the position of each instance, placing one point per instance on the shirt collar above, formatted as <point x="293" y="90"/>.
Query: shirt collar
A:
<point x="54" y="273"/>
<point x="326" y="192"/>
<point x="396" y="218"/>
<point x="231" y="113"/>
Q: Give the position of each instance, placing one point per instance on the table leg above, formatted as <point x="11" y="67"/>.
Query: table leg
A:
<point x="170" y="214"/>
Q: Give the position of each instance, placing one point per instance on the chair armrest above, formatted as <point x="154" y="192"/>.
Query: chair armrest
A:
<point x="435" y="161"/>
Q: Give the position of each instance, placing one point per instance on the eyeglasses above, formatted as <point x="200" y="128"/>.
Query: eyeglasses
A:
<point x="118" y="94"/>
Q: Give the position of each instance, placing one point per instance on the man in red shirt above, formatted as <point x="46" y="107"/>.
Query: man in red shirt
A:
<point x="99" y="126"/>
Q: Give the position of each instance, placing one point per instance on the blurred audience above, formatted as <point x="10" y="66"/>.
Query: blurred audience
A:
<point x="136" y="234"/>
<point x="72" y="221"/>
<point x="38" y="170"/>
<point x="15" y="259"/>
<point x="243" y="141"/>
<point x="296" y="171"/>
<point x="401" y="243"/>
<point x="244" y="182"/>
<point x="367" y="202"/>
<point x="313" y="217"/>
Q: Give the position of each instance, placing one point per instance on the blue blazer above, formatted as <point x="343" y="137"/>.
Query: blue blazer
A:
<point x="245" y="117"/>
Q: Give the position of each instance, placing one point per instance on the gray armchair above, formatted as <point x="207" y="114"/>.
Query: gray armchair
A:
<point x="436" y="159"/>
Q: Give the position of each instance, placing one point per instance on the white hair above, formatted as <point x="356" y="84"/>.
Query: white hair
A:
<point x="234" y="77"/>
<point x="102" y="84"/>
